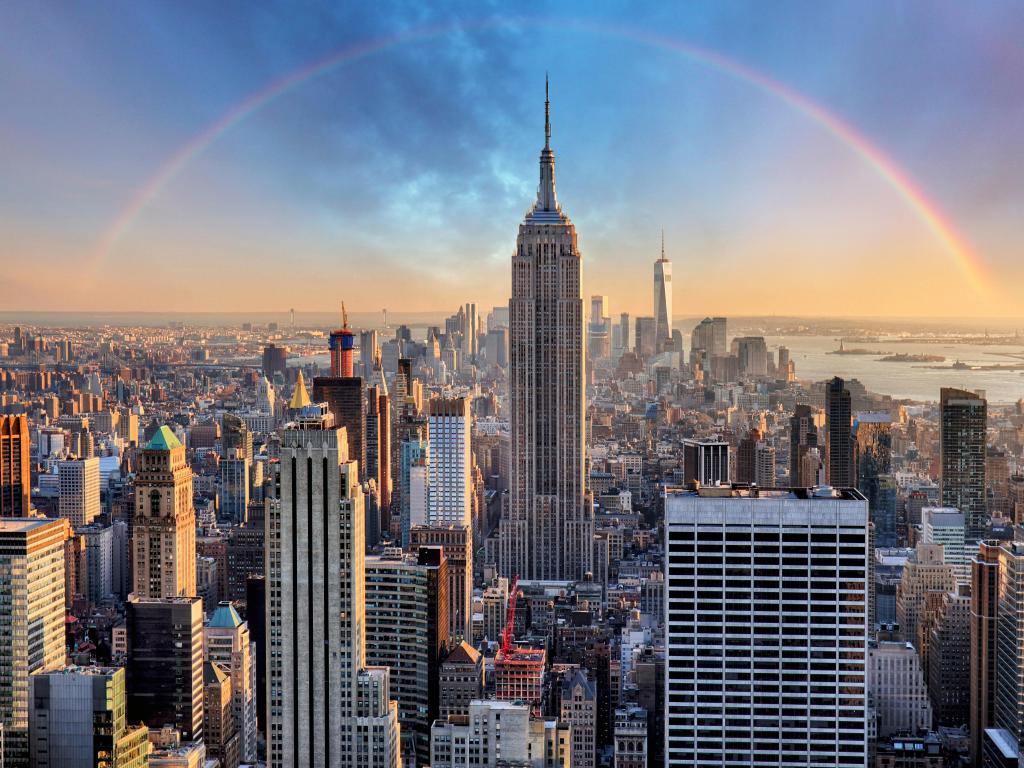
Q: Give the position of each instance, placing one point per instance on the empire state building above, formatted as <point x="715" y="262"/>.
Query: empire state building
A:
<point x="548" y="529"/>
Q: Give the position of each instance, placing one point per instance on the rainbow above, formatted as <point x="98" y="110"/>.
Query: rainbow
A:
<point x="926" y="210"/>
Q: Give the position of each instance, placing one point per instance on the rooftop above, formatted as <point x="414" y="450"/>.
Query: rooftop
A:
<point x="163" y="440"/>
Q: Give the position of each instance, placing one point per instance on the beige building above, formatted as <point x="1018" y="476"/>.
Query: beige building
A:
<point x="227" y="644"/>
<point x="579" y="712"/>
<point x="548" y="530"/>
<point x="499" y="730"/>
<point x="461" y="680"/>
<point x="164" y="535"/>
<point x="31" y="621"/>
<point x="926" y="571"/>
<point x="325" y="708"/>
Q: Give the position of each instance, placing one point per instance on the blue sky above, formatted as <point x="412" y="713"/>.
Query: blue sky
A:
<point x="399" y="178"/>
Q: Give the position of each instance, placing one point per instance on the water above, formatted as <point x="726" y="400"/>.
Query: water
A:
<point x="913" y="381"/>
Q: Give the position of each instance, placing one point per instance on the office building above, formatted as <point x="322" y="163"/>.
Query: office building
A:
<point x="1008" y="700"/>
<point x="461" y="680"/>
<point x="778" y="557"/>
<point x="219" y="734"/>
<point x="706" y="461"/>
<point x="457" y="541"/>
<point x="599" y="331"/>
<point x="872" y="436"/>
<point x="963" y="418"/>
<point x="344" y="398"/>
<point x="549" y="526"/>
<point x="949" y="656"/>
<point x="838" y="435"/>
<point x="578" y="710"/>
<point x="755" y="460"/>
<point x="164" y="526"/>
<point x="275" y="360"/>
<point x="984" y="613"/>
<point x="925" y="572"/>
<point x="165" y="663"/>
<point x="325" y="708"/>
<point x="499" y="733"/>
<point x="622" y="333"/>
<point x="945" y="526"/>
<point x="77" y="720"/>
<point x="663" y="300"/>
<point x="752" y="355"/>
<point x="407" y="631"/>
<point x="31" y="621"/>
<point x="897" y="688"/>
<point x="79" y="481"/>
<point x="629" y="737"/>
<point x="15" y="467"/>
<point x="450" y="467"/>
<point x="646" y="342"/>
<point x="804" y="427"/>
<point x="227" y="644"/>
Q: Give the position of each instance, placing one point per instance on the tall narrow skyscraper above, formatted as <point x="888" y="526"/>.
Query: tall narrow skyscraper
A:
<point x="663" y="299"/>
<point x="963" y="421"/>
<point x="15" y="466"/>
<point x="164" y="535"/>
<point x="549" y="525"/>
<point x="839" y="435"/>
<point x="326" y="708"/>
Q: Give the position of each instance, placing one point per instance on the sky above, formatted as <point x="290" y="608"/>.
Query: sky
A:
<point x="802" y="158"/>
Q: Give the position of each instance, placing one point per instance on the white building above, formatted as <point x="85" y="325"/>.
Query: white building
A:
<point x="31" y="620"/>
<point x="766" y="627"/>
<point x="946" y="526"/>
<point x="499" y="730"/>
<point x="79" y="481"/>
<point x="325" y="708"/>
<point x="449" y="501"/>
<point x="897" y="689"/>
<point x="663" y="298"/>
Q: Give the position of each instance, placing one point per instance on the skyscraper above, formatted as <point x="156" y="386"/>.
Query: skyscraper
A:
<point x="777" y="558"/>
<point x="663" y="299"/>
<point x="164" y="527"/>
<point x="839" y="435"/>
<point x="872" y="436"/>
<point x="407" y="631"/>
<point x="78" y="720"/>
<point x="79" y="490"/>
<point x="324" y="706"/>
<point x="803" y="438"/>
<point x="962" y="428"/>
<point x="451" y="461"/>
<point x="600" y="328"/>
<point x="344" y="398"/>
<point x="165" y="663"/>
<point x="31" y="620"/>
<point x="227" y="644"/>
<point x="549" y="528"/>
<point x="15" y="466"/>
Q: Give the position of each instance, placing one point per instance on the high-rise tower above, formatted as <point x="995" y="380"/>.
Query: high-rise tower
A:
<point x="963" y="422"/>
<point x="663" y="299"/>
<point x="342" y="343"/>
<point x="549" y="525"/>
<point x="164" y="537"/>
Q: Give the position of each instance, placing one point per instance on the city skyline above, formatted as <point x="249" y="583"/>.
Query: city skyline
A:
<point x="713" y="126"/>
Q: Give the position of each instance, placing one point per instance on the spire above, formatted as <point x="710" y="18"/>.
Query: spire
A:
<point x="662" y="259"/>
<point x="547" y="114"/>
<point x="300" y="397"/>
<point x="546" y="200"/>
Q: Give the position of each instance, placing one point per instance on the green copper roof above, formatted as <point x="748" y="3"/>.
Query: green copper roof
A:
<point x="164" y="440"/>
<point x="225" y="616"/>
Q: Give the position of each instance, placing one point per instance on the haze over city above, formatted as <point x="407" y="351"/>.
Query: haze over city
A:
<point x="192" y="158"/>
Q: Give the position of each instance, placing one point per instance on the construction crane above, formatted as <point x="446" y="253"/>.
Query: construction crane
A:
<point x="506" y="636"/>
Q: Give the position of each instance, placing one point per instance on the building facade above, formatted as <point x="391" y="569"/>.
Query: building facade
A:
<point x="548" y="530"/>
<point x="793" y="558"/>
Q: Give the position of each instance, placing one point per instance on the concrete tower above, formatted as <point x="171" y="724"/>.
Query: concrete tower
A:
<point x="548" y="530"/>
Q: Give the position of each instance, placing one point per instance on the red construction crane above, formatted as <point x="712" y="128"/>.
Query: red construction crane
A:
<point x="506" y="636"/>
